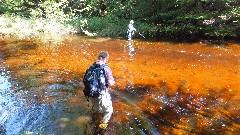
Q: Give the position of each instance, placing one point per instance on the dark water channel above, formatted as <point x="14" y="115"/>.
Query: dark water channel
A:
<point x="161" y="87"/>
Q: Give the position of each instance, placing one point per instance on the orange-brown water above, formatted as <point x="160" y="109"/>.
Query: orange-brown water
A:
<point x="147" y="69"/>
<point x="199" y="65"/>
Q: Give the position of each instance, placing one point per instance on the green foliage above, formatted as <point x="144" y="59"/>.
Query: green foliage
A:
<point x="107" y="26"/>
<point x="154" y="18"/>
<point x="235" y="11"/>
<point x="112" y="26"/>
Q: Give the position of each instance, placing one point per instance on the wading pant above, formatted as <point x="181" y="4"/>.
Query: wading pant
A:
<point x="129" y="34"/>
<point x="103" y="105"/>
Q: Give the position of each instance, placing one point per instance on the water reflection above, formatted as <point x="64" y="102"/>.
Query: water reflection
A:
<point x="4" y="86"/>
<point x="184" y="112"/>
<point x="130" y="49"/>
<point x="31" y="107"/>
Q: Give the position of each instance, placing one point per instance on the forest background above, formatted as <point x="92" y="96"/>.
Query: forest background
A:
<point x="158" y="19"/>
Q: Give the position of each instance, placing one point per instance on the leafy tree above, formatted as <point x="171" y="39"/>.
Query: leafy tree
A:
<point x="156" y="18"/>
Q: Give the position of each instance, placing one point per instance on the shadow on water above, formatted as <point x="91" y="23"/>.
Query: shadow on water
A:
<point x="156" y="111"/>
<point x="41" y="91"/>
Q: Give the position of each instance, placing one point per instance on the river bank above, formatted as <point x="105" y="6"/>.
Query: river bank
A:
<point x="24" y="28"/>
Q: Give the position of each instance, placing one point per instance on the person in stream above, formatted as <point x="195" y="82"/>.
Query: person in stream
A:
<point x="131" y="30"/>
<point x="98" y="90"/>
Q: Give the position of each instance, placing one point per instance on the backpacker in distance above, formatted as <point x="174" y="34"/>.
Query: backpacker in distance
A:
<point x="94" y="80"/>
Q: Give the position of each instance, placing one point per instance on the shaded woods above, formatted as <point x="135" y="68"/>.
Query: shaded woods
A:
<point x="161" y="19"/>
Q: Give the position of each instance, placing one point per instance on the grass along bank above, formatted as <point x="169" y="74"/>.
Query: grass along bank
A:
<point x="110" y="26"/>
<point x="21" y="27"/>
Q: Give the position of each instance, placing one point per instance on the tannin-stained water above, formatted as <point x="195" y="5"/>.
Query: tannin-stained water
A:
<point x="161" y="87"/>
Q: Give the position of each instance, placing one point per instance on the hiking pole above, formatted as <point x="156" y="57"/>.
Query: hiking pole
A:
<point x="141" y="34"/>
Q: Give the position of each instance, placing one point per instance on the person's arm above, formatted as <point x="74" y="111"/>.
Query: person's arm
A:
<point x="109" y="76"/>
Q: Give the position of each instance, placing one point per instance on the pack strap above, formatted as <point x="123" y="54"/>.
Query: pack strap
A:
<point x="95" y="65"/>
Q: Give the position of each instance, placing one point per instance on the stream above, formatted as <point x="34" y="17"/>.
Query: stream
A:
<point x="161" y="87"/>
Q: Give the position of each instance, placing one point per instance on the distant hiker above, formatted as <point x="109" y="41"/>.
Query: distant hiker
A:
<point x="131" y="30"/>
<point x="97" y="80"/>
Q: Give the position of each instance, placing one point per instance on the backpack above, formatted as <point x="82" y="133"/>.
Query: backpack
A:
<point x="94" y="80"/>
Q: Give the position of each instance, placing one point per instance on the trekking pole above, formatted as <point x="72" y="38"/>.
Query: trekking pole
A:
<point x="141" y="34"/>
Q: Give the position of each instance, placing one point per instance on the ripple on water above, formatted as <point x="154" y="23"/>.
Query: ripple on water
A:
<point x="43" y="93"/>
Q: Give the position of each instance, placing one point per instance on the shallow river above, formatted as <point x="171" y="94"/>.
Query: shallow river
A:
<point x="161" y="87"/>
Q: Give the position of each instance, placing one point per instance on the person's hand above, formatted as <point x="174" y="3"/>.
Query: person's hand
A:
<point x="111" y="82"/>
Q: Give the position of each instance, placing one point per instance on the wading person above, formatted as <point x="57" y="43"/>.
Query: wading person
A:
<point x="131" y="30"/>
<point x="97" y="80"/>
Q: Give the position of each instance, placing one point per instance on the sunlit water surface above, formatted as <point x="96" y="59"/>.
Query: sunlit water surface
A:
<point x="161" y="87"/>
